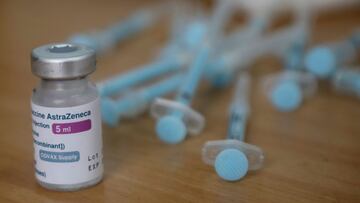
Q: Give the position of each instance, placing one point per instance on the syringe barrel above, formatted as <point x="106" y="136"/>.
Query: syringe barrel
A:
<point x="239" y="109"/>
<point x="124" y="81"/>
<point x="193" y="77"/>
<point x="242" y="90"/>
<point x="161" y="88"/>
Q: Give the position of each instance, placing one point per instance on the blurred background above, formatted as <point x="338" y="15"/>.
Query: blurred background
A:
<point x="311" y="153"/>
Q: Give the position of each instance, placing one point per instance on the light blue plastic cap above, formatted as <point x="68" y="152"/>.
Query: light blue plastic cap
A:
<point x="286" y="96"/>
<point x="84" y="40"/>
<point x="171" y="129"/>
<point x="108" y="113"/>
<point x="321" y="61"/>
<point x="231" y="164"/>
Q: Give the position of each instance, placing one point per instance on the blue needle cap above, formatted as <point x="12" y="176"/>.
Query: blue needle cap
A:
<point x="286" y="96"/>
<point x="321" y="62"/>
<point x="231" y="164"/>
<point x="171" y="129"/>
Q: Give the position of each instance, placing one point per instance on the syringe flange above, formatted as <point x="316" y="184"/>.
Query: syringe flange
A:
<point x="193" y="120"/>
<point x="212" y="149"/>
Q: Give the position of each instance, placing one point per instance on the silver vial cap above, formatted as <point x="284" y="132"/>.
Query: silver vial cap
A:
<point x="62" y="61"/>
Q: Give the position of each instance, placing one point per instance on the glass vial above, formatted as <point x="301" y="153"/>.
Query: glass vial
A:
<point x="66" y="118"/>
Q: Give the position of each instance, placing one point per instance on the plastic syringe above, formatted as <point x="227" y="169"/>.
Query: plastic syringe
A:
<point x="175" y="119"/>
<point x="232" y="157"/>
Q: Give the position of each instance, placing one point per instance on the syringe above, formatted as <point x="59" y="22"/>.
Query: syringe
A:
<point x="232" y="158"/>
<point x="175" y="119"/>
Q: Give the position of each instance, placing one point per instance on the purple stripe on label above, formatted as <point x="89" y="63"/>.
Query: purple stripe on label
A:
<point x="70" y="128"/>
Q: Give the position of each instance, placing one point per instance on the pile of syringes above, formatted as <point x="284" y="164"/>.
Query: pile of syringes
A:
<point x="199" y="50"/>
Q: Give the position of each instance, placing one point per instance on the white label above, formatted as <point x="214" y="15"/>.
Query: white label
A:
<point x="67" y="143"/>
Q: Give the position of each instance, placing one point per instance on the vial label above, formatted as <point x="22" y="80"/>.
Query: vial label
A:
<point x="67" y="143"/>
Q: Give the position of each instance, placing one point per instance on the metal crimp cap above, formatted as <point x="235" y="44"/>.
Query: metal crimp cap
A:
<point x="62" y="61"/>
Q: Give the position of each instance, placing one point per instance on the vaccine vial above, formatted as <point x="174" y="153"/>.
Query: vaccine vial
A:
<point x="66" y="118"/>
